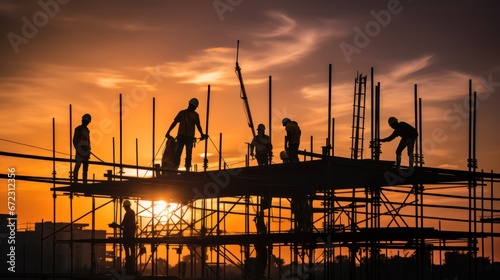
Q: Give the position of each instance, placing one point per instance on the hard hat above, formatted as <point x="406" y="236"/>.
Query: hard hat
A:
<point x="126" y="203"/>
<point x="285" y="121"/>
<point x="194" y="102"/>
<point x="392" y="120"/>
<point x="261" y="127"/>
<point x="87" y="117"/>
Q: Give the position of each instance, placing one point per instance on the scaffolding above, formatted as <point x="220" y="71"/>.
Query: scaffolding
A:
<point x="325" y="217"/>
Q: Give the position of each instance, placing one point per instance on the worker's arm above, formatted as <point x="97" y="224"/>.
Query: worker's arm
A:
<point x="174" y="123"/>
<point x="390" y="138"/>
<point x="76" y="137"/>
<point x="252" y="147"/>
<point x="203" y="136"/>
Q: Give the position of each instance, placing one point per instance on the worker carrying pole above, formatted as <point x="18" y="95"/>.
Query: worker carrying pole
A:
<point x="243" y="93"/>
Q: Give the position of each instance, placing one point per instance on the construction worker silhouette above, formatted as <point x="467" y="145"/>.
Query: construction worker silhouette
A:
<point x="128" y="227"/>
<point x="408" y="136"/>
<point x="261" y="143"/>
<point x="292" y="139"/>
<point x="81" y="142"/>
<point x="187" y="119"/>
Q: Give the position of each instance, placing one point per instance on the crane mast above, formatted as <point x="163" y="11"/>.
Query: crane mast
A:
<point x="243" y="93"/>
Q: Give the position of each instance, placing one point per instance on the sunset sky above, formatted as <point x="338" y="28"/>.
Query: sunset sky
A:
<point x="57" y="53"/>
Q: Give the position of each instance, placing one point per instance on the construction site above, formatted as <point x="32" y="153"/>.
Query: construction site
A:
<point x="325" y="217"/>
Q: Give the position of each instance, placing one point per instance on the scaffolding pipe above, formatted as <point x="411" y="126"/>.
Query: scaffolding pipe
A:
<point x="54" y="195"/>
<point x="121" y="138"/>
<point x="153" y="137"/>
<point x="71" y="179"/>
<point x="270" y="159"/>
<point x="205" y="160"/>
<point x="328" y="144"/>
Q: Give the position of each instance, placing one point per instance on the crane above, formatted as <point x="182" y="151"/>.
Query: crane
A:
<point x="243" y="93"/>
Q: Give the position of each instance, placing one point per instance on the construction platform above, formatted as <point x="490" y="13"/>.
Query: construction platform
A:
<point x="276" y="180"/>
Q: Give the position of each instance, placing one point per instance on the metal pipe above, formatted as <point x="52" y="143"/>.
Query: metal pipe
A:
<point x="54" y="196"/>
<point x="205" y="160"/>
<point x="372" y="133"/>
<point x="421" y="162"/>
<point x="415" y="95"/>
<point x="333" y="137"/>
<point x="137" y="158"/>
<point x="329" y="105"/>
<point x="114" y="159"/>
<point x="474" y="183"/>
<point x="469" y="165"/>
<point x="153" y="137"/>
<point x="121" y="138"/>
<point x="71" y="180"/>
<point x="270" y="114"/>
<point x="220" y="151"/>
<point x="92" y="245"/>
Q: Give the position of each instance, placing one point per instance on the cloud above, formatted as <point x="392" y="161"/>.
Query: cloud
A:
<point x="407" y="68"/>
<point x="286" y="42"/>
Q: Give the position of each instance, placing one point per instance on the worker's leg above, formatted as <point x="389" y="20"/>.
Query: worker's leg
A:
<point x="262" y="159"/>
<point x="129" y="247"/>
<point x="189" y="152"/>
<point x="410" y="143"/>
<point x="179" y="146"/>
<point x="293" y="152"/>
<point x="76" y="170"/>
<point x="399" y="151"/>
<point x="85" y="170"/>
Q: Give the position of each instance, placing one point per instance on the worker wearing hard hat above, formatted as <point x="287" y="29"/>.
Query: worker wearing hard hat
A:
<point x="261" y="143"/>
<point x="292" y="139"/>
<point x="408" y="136"/>
<point x="187" y="119"/>
<point x="128" y="227"/>
<point x="81" y="142"/>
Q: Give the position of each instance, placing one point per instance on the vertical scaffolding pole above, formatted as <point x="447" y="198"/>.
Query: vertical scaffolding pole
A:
<point x="474" y="185"/>
<point x="472" y="164"/>
<point x="137" y="158"/>
<point x="415" y="90"/>
<point x="492" y="226"/>
<point x="220" y="151"/>
<point x="205" y="160"/>
<point x="93" y="265"/>
<point x="416" y="190"/>
<point x="153" y="137"/>
<point x="372" y="113"/>
<point x="71" y="193"/>
<point x="121" y="138"/>
<point x="421" y="161"/>
<point x="328" y="144"/>
<point x="54" y="196"/>
<point x="377" y="123"/>
<point x="270" y="115"/>
<point x="333" y="137"/>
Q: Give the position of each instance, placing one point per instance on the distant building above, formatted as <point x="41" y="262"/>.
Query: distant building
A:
<point x="34" y="249"/>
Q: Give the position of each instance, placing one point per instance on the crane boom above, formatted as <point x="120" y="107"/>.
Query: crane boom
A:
<point x="243" y="93"/>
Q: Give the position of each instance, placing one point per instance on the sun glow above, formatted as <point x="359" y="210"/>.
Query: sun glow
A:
<point x="164" y="212"/>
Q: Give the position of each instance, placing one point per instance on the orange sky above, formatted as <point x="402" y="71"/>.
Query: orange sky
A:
<point x="85" y="54"/>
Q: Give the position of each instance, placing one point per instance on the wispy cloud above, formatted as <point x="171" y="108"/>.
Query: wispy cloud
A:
<point x="407" y="68"/>
<point x="286" y="42"/>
